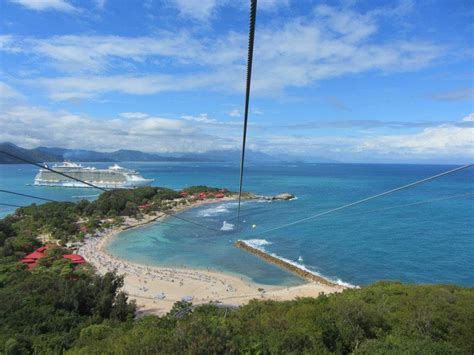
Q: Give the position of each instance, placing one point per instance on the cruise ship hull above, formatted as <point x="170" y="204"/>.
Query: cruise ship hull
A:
<point x="105" y="185"/>
<point x="114" y="177"/>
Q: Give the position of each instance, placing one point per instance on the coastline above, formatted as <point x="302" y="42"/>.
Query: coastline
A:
<point x="156" y="289"/>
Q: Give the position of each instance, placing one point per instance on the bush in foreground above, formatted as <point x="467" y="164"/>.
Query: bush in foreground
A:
<point x="379" y="319"/>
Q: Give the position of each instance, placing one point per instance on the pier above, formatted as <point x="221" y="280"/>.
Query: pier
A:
<point x="307" y="275"/>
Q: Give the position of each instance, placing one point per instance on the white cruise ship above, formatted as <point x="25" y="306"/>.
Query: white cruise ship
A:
<point x="115" y="177"/>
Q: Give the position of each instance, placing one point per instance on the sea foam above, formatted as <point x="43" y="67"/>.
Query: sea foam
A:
<point x="259" y="243"/>
<point x="227" y="226"/>
<point x="213" y="211"/>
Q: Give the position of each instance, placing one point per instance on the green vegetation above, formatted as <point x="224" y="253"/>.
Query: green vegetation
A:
<point x="379" y="319"/>
<point x="203" y="189"/>
<point x="44" y="310"/>
<point x="58" y="308"/>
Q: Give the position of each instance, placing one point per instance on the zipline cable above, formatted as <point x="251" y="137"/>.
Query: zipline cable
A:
<point x="26" y="195"/>
<point x="375" y="210"/>
<point x="253" y="17"/>
<point x="100" y="188"/>
<point x="370" y="198"/>
<point x="416" y="203"/>
<point x="10" y="205"/>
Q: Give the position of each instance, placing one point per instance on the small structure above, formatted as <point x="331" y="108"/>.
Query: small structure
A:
<point x="31" y="260"/>
<point x="142" y="207"/>
<point x="75" y="258"/>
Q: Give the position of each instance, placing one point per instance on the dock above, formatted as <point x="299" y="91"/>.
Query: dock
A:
<point x="301" y="272"/>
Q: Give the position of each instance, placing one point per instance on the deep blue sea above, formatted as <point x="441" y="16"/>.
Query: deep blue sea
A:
<point x="416" y="243"/>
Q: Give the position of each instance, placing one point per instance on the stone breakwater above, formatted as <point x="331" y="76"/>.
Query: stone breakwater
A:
<point x="282" y="197"/>
<point x="309" y="276"/>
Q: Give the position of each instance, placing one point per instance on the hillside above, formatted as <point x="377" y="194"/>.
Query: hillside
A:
<point x="35" y="155"/>
<point x="54" y="154"/>
<point x="58" y="308"/>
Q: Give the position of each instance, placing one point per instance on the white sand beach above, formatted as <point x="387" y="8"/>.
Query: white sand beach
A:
<point x="156" y="289"/>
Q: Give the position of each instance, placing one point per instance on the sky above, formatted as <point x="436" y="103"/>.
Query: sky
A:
<point x="355" y="81"/>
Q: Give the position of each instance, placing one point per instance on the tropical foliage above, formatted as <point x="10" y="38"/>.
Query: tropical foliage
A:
<point x="57" y="308"/>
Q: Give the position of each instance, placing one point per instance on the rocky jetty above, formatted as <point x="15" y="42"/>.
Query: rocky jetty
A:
<point x="282" y="197"/>
<point x="284" y="264"/>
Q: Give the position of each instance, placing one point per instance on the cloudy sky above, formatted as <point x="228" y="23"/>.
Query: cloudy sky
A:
<point x="356" y="81"/>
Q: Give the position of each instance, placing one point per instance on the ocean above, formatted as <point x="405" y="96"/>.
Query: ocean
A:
<point x="396" y="237"/>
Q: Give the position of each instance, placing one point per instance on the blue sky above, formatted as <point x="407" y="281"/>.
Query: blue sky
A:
<point x="356" y="81"/>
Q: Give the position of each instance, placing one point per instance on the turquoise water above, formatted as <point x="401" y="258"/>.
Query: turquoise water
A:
<point x="425" y="243"/>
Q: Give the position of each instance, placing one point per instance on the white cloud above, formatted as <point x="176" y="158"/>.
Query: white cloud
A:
<point x="234" y="113"/>
<point x="43" y="5"/>
<point x="75" y="53"/>
<point x="326" y="43"/>
<point x="202" y="10"/>
<point x="441" y="141"/>
<point x="133" y="115"/>
<point x="7" y="93"/>
<point x="33" y="126"/>
<point x="196" y="9"/>
<point x="469" y="118"/>
<point x="100" y="3"/>
<point x="271" y="4"/>
<point x="70" y="88"/>
<point x="202" y="118"/>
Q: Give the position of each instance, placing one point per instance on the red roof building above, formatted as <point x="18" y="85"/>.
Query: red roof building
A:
<point x="31" y="259"/>
<point x="142" y="207"/>
<point x="75" y="258"/>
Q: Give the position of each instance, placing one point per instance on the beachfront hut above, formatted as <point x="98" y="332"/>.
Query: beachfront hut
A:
<point x="75" y="258"/>
<point x="31" y="259"/>
<point x="142" y="207"/>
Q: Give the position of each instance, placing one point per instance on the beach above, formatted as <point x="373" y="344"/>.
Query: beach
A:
<point x="156" y="289"/>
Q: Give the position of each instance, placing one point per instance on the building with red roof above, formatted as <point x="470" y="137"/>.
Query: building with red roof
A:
<point x="31" y="259"/>
<point x="75" y="258"/>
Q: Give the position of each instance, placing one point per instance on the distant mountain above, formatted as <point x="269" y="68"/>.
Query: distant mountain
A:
<point x="82" y="155"/>
<point x="54" y="154"/>
<point x="35" y="155"/>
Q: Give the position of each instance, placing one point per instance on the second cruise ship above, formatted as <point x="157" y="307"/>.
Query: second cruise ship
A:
<point x="115" y="177"/>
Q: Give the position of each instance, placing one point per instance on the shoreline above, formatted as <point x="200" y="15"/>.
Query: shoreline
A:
<point x="155" y="289"/>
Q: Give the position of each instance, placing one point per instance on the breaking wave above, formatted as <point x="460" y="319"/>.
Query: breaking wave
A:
<point x="213" y="211"/>
<point x="259" y="243"/>
<point x="227" y="226"/>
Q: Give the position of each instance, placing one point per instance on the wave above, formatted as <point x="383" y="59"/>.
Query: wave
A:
<point x="258" y="244"/>
<point x="85" y="196"/>
<point x="213" y="211"/>
<point x="227" y="226"/>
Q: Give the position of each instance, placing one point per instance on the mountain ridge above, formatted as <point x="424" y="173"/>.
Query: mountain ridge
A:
<point x="57" y="154"/>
